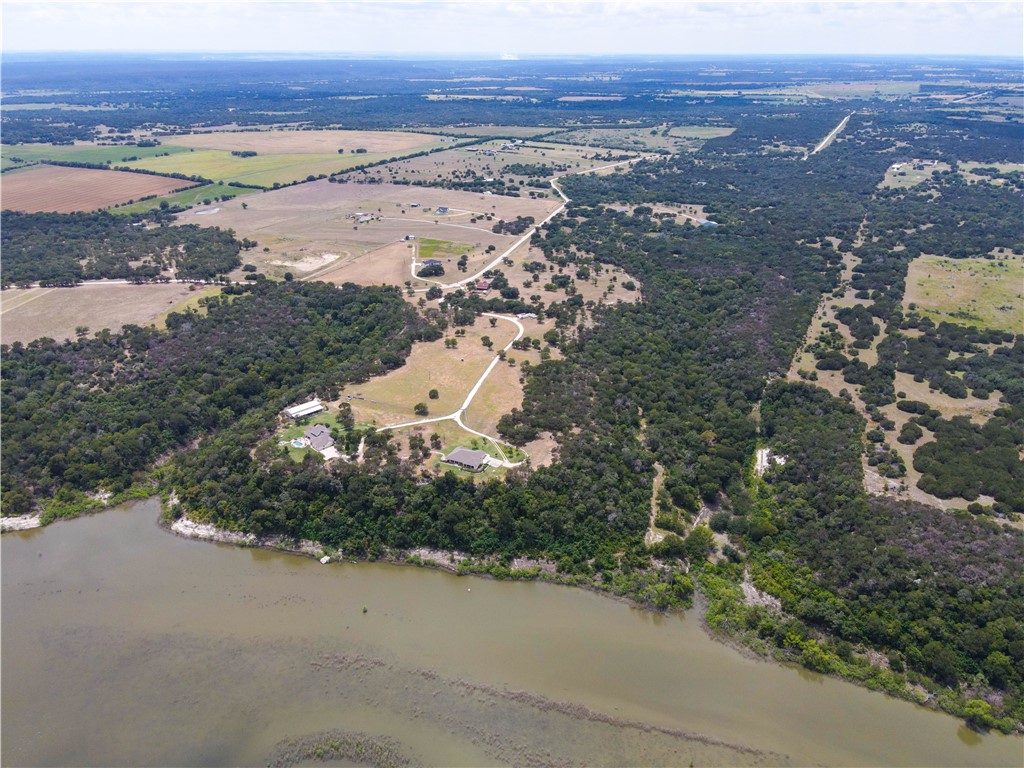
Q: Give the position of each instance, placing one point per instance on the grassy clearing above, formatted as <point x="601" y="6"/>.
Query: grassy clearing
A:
<point x="390" y="399"/>
<point x="980" y="292"/>
<point x="909" y="175"/>
<point x="57" y="312"/>
<point x="967" y="171"/>
<point x="643" y="139"/>
<point x="187" y="198"/>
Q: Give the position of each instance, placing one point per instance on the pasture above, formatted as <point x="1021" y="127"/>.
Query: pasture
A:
<point x="968" y="171"/>
<point x="981" y="292"/>
<point x="64" y="190"/>
<point x="314" y="229"/>
<point x="308" y="142"/>
<point x="205" y="194"/>
<point x="56" y="313"/>
<point x="26" y="154"/>
<point x="283" y="157"/>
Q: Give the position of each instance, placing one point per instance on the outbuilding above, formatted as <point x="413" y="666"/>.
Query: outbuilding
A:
<point x="302" y="410"/>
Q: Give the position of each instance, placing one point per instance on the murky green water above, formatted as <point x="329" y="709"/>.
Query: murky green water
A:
<point x="126" y="645"/>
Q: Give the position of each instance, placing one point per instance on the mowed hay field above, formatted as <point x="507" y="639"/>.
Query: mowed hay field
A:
<point x="984" y="292"/>
<point x="63" y="190"/>
<point x="56" y="312"/>
<point x="307" y="142"/>
<point x="390" y="399"/>
<point x="311" y="229"/>
<point x="283" y="156"/>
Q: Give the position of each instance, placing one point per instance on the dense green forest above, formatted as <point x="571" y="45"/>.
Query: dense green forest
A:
<point x="95" y="413"/>
<point x="63" y="249"/>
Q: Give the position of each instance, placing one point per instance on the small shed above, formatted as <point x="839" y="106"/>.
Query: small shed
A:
<point x="483" y="286"/>
<point x="442" y="209"/>
<point x="466" y="458"/>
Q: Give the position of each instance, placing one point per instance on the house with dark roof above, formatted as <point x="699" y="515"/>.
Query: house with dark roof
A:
<point x="319" y="437"/>
<point x="483" y="286"/>
<point x="464" y="458"/>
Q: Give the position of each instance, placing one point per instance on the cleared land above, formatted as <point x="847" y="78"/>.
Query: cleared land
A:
<point x="307" y="142"/>
<point x="283" y="156"/>
<point x="63" y="190"/>
<point x="661" y="137"/>
<point x="81" y="153"/>
<point x="314" y="229"/>
<point x="967" y="170"/>
<point x="907" y="174"/>
<point x="56" y="312"/>
<point x="495" y="160"/>
<point x="980" y="292"/>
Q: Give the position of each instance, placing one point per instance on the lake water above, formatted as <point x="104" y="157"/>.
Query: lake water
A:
<point x="126" y="645"/>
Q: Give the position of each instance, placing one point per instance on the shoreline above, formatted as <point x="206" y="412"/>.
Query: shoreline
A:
<point x="20" y="523"/>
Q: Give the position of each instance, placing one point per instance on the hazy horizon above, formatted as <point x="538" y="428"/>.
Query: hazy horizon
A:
<point x="498" y="29"/>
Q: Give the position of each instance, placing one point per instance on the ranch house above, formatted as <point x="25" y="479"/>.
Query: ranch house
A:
<point x="464" y="458"/>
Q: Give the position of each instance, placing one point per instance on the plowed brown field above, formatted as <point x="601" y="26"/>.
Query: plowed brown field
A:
<point x="63" y="190"/>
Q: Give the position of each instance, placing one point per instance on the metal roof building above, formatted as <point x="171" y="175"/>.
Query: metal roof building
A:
<point x="304" y="409"/>
<point x="474" y="461"/>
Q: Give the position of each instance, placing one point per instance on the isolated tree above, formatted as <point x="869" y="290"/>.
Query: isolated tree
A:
<point x="420" y="409"/>
<point x="433" y="394"/>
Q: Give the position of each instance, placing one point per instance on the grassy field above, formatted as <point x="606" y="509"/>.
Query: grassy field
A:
<point x="282" y="156"/>
<point x="81" y="153"/>
<point x="967" y="171"/>
<point x="389" y="399"/>
<point x="61" y="189"/>
<point x="980" y="292"/>
<point x="309" y="142"/>
<point x="907" y="176"/>
<point x="188" y="198"/>
<point x="57" y="312"/>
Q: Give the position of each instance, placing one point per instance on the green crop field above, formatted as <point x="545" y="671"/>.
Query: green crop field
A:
<point x="188" y="197"/>
<point x="17" y="154"/>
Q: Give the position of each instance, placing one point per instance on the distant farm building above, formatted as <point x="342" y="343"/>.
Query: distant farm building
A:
<point x="410" y="237"/>
<point x="303" y="410"/>
<point x="464" y="458"/>
<point x="442" y="209"/>
<point x="432" y="263"/>
<point x="319" y="437"/>
<point x="483" y="286"/>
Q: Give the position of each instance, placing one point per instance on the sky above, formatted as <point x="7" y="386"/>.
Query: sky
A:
<point x="513" y="28"/>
